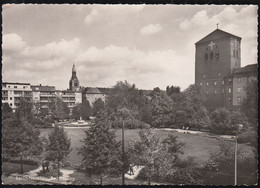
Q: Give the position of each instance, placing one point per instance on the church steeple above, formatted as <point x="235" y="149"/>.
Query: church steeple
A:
<point x="74" y="82"/>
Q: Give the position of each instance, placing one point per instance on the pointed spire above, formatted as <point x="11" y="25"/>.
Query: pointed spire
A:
<point x="73" y="67"/>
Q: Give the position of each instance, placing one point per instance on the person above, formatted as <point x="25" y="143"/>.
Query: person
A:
<point x="131" y="171"/>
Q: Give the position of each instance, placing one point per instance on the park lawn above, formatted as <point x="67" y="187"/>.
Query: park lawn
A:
<point x="11" y="168"/>
<point x="194" y="145"/>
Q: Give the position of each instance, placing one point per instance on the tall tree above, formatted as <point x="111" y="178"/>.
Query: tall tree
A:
<point x="19" y="137"/>
<point x="58" y="108"/>
<point x="98" y="105"/>
<point x="160" y="107"/>
<point x="101" y="151"/>
<point x="58" y="146"/>
<point x="82" y="110"/>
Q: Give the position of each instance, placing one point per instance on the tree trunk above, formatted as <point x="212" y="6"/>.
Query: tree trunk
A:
<point x="100" y="178"/>
<point x="149" y="177"/>
<point x="58" y="170"/>
<point x="21" y="161"/>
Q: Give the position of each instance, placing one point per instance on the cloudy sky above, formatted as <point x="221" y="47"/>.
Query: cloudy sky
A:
<point x="149" y="45"/>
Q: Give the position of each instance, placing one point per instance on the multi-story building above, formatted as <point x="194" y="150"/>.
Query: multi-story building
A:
<point x="217" y="64"/>
<point x="92" y="94"/>
<point x="43" y="94"/>
<point x="13" y="92"/>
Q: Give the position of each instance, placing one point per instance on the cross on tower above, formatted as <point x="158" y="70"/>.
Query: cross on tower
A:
<point x="217" y="25"/>
<point x="211" y="44"/>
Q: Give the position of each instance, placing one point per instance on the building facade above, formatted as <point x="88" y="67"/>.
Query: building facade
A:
<point x="13" y="92"/>
<point x="217" y="66"/>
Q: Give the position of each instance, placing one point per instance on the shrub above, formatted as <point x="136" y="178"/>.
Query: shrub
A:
<point x="226" y="122"/>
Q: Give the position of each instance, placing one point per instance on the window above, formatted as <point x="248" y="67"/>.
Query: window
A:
<point x="217" y="55"/>
<point x="15" y="86"/>
<point x="206" y="56"/>
<point x="204" y="75"/>
<point x="215" y="83"/>
<point x="219" y="74"/>
<point x="223" y="82"/>
<point x="215" y="91"/>
<point x="239" y="100"/>
<point x="229" y="90"/>
<point x="200" y="83"/>
<point x="239" y="80"/>
<point x="211" y="55"/>
<point x="207" y="83"/>
<point x="11" y="104"/>
<point x="229" y="80"/>
<point x="234" y="53"/>
<point x="8" y="86"/>
<point x="223" y="90"/>
<point x="11" y="98"/>
<point x="229" y="99"/>
<point x="239" y="90"/>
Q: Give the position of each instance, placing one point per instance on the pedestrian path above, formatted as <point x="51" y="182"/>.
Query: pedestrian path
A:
<point x="136" y="171"/>
<point x="33" y="175"/>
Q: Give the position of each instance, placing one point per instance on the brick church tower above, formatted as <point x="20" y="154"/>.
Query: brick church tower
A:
<point x="74" y="82"/>
<point x="217" y="57"/>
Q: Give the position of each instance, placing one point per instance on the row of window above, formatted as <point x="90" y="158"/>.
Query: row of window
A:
<point x="24" y="87"/>
<point x="223" y="91"/>
<point x="215" y="83"/>
<point x="211" y="55"/>
<point x="204" y="75"/>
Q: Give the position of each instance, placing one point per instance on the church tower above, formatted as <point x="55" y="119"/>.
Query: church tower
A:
<point x="217" y="57"/>
<point x="74" y="82"/>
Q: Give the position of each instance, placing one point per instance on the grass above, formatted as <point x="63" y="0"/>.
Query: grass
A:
<point x="11" y="168"/>
<point x="195" y="146"/>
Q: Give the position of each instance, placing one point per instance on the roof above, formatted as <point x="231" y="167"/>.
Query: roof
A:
<point x="106" y="91"/>
<point x="15" y="83"/>
<point x="246" y="69"/>
<point x="216" y="34"/>
<point x="73" y="68"/>
<point x="43" y="88"/>
<point x="91" y="90"/>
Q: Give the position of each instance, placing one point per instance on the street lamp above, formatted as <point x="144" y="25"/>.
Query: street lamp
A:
<point x="239" y="127"/>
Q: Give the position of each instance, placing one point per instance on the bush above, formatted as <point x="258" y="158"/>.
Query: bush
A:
<point x="248" y="137"/>
<point x="226" y="122"/>
<point x="27" y="162"/>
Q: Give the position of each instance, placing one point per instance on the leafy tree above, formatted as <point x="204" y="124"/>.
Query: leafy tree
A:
<point x="6" y="111"/>
<point x="20" y="139"/>
<point x="173" y="90"/>
<point x="191" y="110"/>
<point x="160" y="107"/>
<point x="250" y="103"/>
<point x="58" y="108"/>
<point x="98" y="105"/>
<point x="101" y="151"/>
<point x="226" y="122"/>
<point x="222" y="159"/>
<point x="82" y="110"/>
<point x="161" y="159"/>
<point x="58" y="146"/>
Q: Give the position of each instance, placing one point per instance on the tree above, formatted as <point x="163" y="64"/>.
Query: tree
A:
<point x="6" y="111"/>
<point x="98" y="105"/>
<point x="101" y="151"/>
<point x="161" y="159"/>
<point x="250" y="103"/>
<point x="173" y="90"/>
<point x="82" y="110"/>
<point x="160" y="107"/>
<point x="226" y="122"/>
<point x="222" y="159"/>
<point x="58" y="146"/>
<point x="19" y="137"/>
<point x="191" y="110"/>
<point x="58" y="108"/>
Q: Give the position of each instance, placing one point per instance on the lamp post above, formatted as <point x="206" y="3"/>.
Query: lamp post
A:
<point x="240" y="126"/>
<point x="123" y="155"/>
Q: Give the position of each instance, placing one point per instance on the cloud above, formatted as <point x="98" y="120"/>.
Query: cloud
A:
<point x="137" y="66"/>
<point x="89" y="18"/>
<point x="12" y="43"/>
<point x="151" y="29"/>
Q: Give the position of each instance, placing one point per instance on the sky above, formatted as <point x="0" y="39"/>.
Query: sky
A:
<point x="148" y="45"/>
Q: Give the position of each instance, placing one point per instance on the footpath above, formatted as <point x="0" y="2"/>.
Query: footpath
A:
<point x="32" y="177"/>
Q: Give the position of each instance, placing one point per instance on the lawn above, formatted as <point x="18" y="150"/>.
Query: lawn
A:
<point x="195" y="146"/>
<point x="11" y="168"/>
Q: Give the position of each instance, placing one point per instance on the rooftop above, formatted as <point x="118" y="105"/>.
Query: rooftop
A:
<point x="16" y="83"/>
<point x="43" y="88"/>
<point x="246" y="69"/>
